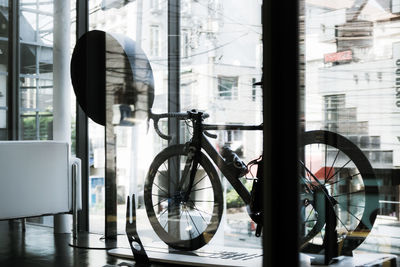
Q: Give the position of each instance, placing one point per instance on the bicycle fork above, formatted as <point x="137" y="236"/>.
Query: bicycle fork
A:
<point x="191" y="165"/>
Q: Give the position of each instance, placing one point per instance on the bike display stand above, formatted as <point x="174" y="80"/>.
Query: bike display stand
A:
<point x="331" y="253"/>
<point x="137" y="248"/>
<point x="92" y="241"/>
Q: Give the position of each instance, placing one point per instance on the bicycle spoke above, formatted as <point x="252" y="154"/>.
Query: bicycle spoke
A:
<point x="345" y="178"/>
<point x="345" y="194"/>
<point x="333" y="164"/>
<point x="159" y="216"/>
<point x="166" y="222"/>
<point x="160" y="188"/>
<point x="160" y="202"/>
<point x="187" y="222"/>
<point x="351" y="213"/>
<point x="157" y="195"/>
<point x="199" y="209"/>
<point x="194" y="206"/>
<point x="193" y="223"/>
<point x="309" y="214"/>
<point x="341" y="168"/>
<point x="166" y="168"/>
<point x="337" y="217"/>
<point x="162" y="174"/>
<point x="201" y="189"/>
<point x="199" y="180"/>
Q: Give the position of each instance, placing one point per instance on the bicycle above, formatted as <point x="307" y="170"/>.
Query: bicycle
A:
<point x="184" y="199"/>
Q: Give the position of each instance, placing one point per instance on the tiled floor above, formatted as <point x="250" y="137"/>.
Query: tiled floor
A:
<point x="38" y="246"/>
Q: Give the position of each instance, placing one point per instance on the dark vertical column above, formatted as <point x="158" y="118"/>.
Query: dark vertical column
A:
<point x="13" y="70"/>
<point x="173" y="66"/>
<point x="110" y="145"/>
<point x="82" y="134"/>
<point x="173" y="101"/>
<point x="281" y="101"/>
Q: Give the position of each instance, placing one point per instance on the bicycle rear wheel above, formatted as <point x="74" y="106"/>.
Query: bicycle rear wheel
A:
<point x="333" y="170"/>
<point x="183" y="225"/>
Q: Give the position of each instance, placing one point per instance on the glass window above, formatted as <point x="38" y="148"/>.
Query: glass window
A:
<point x="36" y="60"/>
<point x="351" y="56"/>
<point x="213" y="77"/>
<point x="35" y="87"/>
<point x="144" y="22"/>
<point x="4" y="27"/>
<point x="219" y="79"/>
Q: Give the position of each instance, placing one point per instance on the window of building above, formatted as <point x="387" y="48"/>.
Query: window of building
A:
<point x="333" y="105"/>
<point x="253" y="90"/>
<point x="185" y="43"/>
<point x="155" y="5"/>
<point x="155" y="45"/>
<point x="228" y="88"/>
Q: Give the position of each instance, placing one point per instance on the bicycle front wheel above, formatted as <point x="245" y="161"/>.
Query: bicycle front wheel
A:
<point x="184" y="224"/>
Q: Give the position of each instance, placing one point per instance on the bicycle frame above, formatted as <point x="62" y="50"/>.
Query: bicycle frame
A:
<point x="226" y="169"/>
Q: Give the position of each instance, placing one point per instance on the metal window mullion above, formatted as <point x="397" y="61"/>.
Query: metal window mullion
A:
<point x="13" y="71"/>
<point x="35" y="43"/>
<point x="37" y="11"/>
<point x="173" y="97"/>
<point x="37" y="107"/>
<point x="37" y="125"/>
<point x="174" y="63"/>
<point x="82" y="133"/>
<point x="37" y="74"/>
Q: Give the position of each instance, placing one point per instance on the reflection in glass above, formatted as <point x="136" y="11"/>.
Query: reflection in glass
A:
<point x="36" y="67"/>
<point x="351" y="56"/>
<point x="212" y="33"/>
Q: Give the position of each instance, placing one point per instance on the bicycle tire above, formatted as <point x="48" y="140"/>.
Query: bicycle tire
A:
<point x="209" y="209"/>
<point x="360" y="207"/>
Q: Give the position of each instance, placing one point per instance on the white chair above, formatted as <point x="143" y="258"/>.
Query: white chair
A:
<point x="38" y="178"/>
